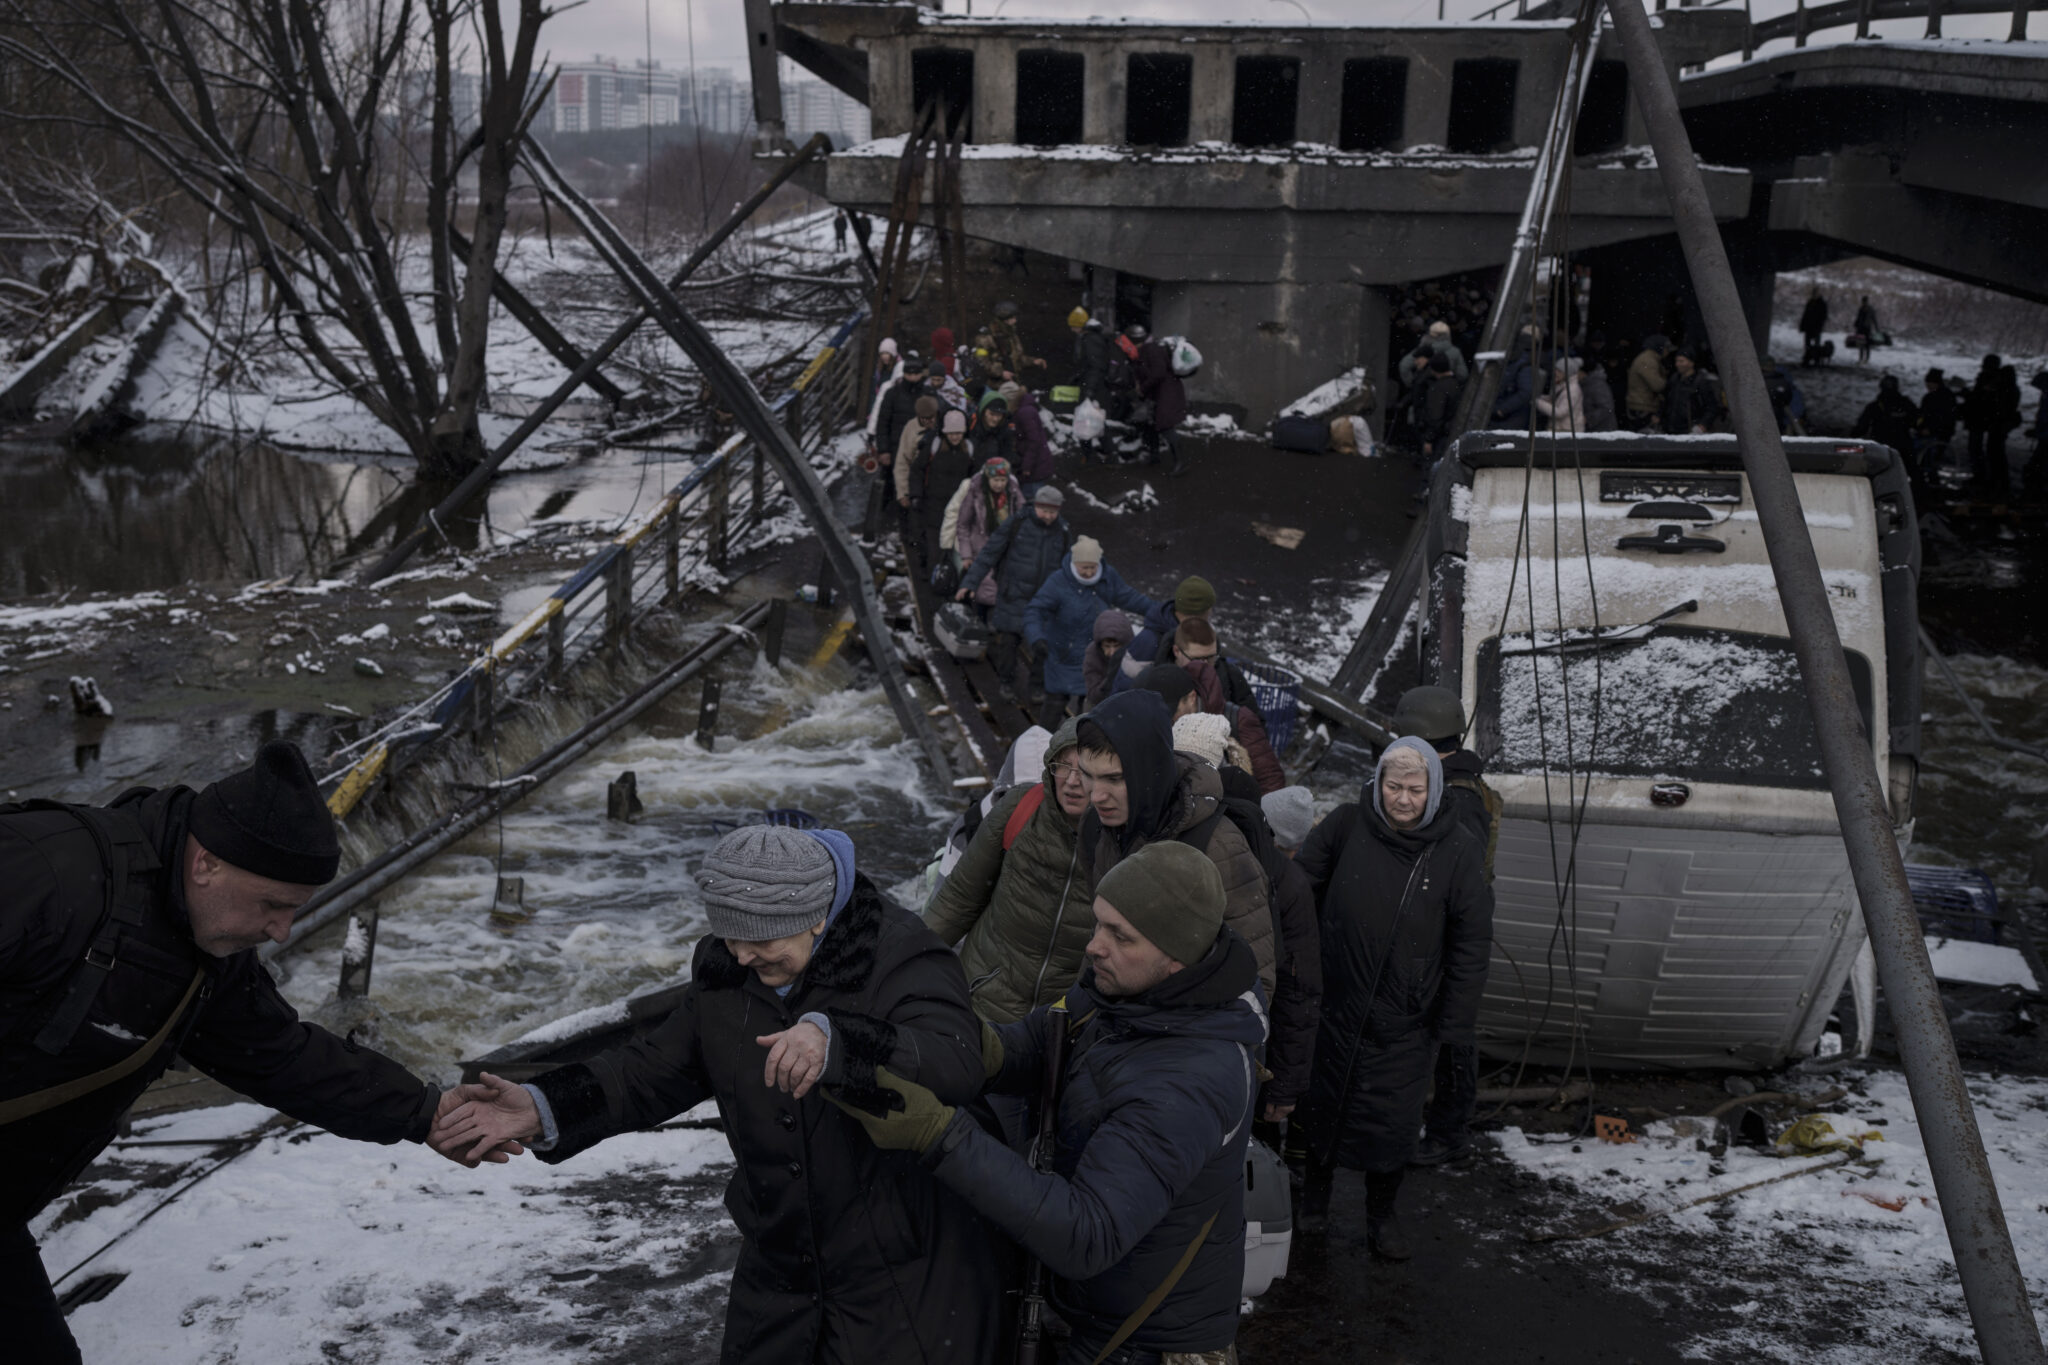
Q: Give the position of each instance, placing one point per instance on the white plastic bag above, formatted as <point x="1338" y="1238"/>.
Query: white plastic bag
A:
<point x="1185" y="358"/>
<point x="1089" y="420"/>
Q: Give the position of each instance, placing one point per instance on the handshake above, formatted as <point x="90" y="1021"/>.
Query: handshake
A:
<point x="490" y="1119"/>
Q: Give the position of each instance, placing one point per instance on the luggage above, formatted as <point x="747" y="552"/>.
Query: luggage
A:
<point x="1268" y="1219"/>
<point x="960" y="631"/>
<point x="946" y="574"/>
<point x="1182" y="355"/>
<point x="1064" y="395"/>
<point x="1089" y="420"/>
<point x="1307" y="434"/>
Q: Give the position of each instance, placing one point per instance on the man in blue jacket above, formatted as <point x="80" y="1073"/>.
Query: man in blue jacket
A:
<point x="1145" y="1198"/>
<point x="1059" y="625"/>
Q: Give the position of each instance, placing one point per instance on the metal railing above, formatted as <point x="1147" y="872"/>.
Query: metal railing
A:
<point x="1803" y="22"/>
<point x="702" y="521"/>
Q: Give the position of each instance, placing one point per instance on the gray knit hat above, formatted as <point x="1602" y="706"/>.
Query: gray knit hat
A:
<point x="1291" y="812"/>
<point x="766" y="882"/>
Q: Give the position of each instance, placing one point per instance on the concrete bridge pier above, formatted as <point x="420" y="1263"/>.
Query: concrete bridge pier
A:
<point x="1259" y="339"/>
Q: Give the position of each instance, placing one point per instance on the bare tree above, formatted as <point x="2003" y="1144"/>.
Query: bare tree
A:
<point x="271" y="116"/>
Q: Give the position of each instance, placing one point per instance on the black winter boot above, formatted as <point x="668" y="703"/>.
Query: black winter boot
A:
<point x="1384" y="1234"/>
<point x="1312" y="1209"/>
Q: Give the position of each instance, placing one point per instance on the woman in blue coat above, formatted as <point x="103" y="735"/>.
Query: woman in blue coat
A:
<point x="1059" y="625"/>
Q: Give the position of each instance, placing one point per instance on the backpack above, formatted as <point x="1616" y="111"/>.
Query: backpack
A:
<point x="1489" y="798"/>
<point x="1250" y="819"/>
<point x="1020" y="817"/>
<point x="1182" y="355"/>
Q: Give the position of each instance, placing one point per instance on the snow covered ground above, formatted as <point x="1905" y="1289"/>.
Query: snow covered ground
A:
<point x="1860" y="1246"/>
<point x="309" y="1248"/>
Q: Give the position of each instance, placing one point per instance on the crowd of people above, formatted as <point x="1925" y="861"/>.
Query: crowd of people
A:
<point x="1674" y="390"/>
<point x="1118" y="983"/>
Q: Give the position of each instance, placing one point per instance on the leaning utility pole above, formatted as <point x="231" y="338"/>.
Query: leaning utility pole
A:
<point x="1992" y="1283"/>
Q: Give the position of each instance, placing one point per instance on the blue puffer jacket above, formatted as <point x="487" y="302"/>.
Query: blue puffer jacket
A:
<point x="1063" y="615"/>
<point x="1154" y="1110"/>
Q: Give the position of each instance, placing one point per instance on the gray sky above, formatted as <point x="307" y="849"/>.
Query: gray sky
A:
<point x="619" y="28"/>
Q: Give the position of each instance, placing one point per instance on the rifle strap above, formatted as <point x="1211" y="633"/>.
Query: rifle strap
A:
<point x="1157" y="1296"/>
<point x="23" y="1106"/>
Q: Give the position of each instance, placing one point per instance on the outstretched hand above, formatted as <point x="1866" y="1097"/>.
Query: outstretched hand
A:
<point x="796" y="1058"/>
<point x="487" y="1120"/>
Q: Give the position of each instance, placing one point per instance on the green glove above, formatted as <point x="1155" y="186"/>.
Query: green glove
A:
<point x="991" y="1051"/>
<point x="913" y="1127"/>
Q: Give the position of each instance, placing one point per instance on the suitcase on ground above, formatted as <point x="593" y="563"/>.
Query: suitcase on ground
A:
<point x="960" y="632"/>
<point x="1311" y="435"/>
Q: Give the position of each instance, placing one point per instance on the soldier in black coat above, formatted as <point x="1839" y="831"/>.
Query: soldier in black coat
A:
<point x="1407" y="921"/>
<point x="810" y="977"/>
<point x="127" y="939"/>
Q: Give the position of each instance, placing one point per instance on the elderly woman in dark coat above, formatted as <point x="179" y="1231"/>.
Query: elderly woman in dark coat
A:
<point x="809" y="977"/>
<point x="1406" y="919"/>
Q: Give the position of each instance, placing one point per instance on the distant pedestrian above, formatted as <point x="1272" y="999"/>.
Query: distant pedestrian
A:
<point x="1092" y="354"/>
<point x="1098" y="668"/>
<point x="1162" y="397"/>
<point x="1599" y="395"/>
<point x="1524" y="361"/>
<point x="1021" y="555"/>
<point x="1890" y="420"/>
<point x="839" y="233"/>
<point x="1437" y="341"/>
<point x="1564" y="407"/>
<point x="1034" y="450"/>
<point x="1867" y="332"/>
<point x="944" y="460"/>
<point x="1647" y="382"/>
<point x="1435" y="409"/>
<point x="1788" y="404"/>
<point x="1689" y="404"/>
<point x="1059" y="624"/>
<point x="983" y="504"/>
<point x="1813" y="321"/>
<point x="1194" y="598"/>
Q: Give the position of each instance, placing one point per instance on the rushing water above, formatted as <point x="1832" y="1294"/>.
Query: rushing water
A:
<point x="613" y="906"/>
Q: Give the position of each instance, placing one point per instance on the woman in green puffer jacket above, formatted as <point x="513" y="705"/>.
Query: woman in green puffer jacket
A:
<point x="1021" y="917"/>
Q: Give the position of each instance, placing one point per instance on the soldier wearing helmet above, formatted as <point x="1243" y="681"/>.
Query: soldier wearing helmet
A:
<point x="1011" y="358"/>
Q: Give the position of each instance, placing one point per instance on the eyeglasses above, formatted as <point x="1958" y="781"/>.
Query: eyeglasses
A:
<point x="1195" y="658"/>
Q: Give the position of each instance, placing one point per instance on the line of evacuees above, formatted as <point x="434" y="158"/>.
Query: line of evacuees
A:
<point x="1212" y="960"/>
<point x="1672" y="390"/>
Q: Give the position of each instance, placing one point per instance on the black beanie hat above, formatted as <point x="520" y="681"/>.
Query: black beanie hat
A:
<point x="269" y="819"/>
<point x="1170" y="681"/>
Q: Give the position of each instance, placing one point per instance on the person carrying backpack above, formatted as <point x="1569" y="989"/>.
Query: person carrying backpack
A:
<point x="1016" y="907"/>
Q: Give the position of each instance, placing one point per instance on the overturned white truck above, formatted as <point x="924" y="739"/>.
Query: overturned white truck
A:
<point x="1671" y="886"/>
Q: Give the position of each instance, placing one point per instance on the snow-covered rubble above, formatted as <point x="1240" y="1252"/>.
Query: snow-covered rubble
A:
<point x="1792" y="1248"/>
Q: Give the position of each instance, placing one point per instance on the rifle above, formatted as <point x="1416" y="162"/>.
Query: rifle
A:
<point x="1031" y="1312"/>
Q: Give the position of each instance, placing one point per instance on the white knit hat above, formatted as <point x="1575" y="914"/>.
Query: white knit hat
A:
<point x="1203" y="736"/>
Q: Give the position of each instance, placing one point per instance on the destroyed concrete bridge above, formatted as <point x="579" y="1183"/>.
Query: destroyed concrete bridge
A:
<point x="1273" y="182"/>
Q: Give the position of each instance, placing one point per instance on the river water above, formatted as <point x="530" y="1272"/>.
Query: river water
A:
<point x="613" y="906"/>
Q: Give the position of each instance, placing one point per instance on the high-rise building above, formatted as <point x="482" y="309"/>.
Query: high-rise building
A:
<point x="605" y="93"/>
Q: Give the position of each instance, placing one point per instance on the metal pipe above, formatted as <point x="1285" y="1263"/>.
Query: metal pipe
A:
<point x="1545" y="180"/>
<point x="338" y="898"/>
<point x="479" y="478"/>
<point x="798" y="478"/>
<point x="1990" y="1273"/>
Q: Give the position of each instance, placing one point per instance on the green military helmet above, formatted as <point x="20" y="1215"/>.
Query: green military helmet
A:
<point x="1006" y="311"/>
<point x="1430" y="713"/>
